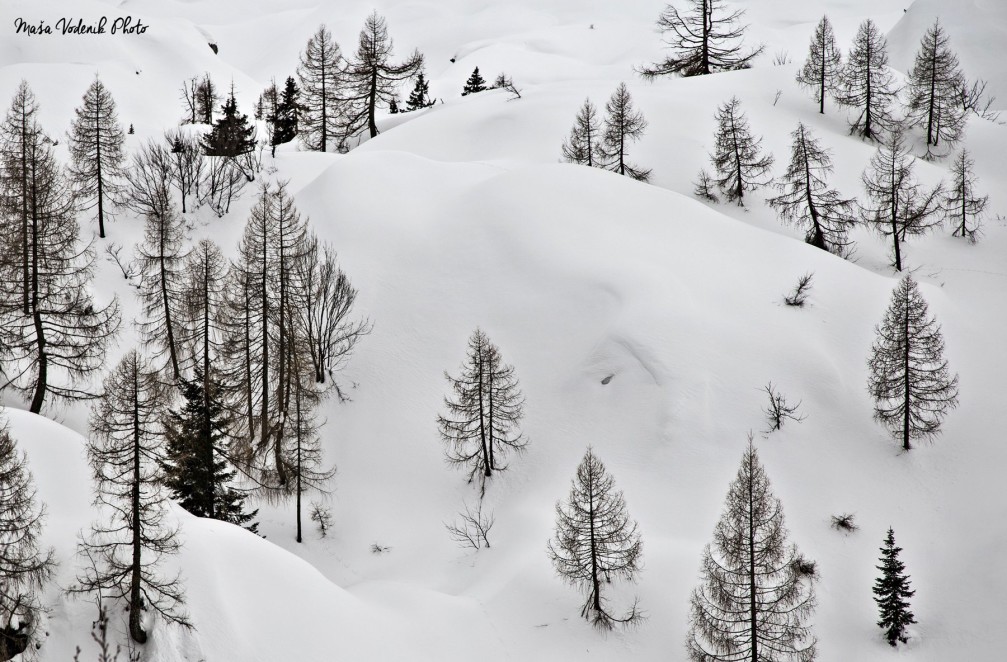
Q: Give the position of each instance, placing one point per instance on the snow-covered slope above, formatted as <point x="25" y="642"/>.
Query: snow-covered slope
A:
<point x="461" y="216"/>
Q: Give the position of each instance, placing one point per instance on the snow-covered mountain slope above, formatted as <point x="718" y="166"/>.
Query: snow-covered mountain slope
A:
<point x="461" y="216"/>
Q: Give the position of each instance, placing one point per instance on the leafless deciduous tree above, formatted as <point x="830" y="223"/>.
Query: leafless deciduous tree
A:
<point x="868" y="86"/>
<point x="778" y="411"/>
<point x="807" y="202"/>
<point x="96" y="155"/>
<point x="899" y="205"/>
<point x="473" y="527"/>
<point x="753" y="601"/>
<point x="372" y="79"/>
<point x="321" y="75"/>
<point x="53" y="331"/>
<point x="25" y="567"/>
<point x="582" y="145"/>
<point x="623" y="124"/>
<point x="963" y="207"/>
<point x="736" y="157"/>
<point x="909" y="378"/>
<point x="596" y="540"/>
<point x="934" y="84"/>
<point x="480" y="425"/>
<point x="125" y="452"/>
<point x="706" y="40"/>
<point x="823" y="70"/>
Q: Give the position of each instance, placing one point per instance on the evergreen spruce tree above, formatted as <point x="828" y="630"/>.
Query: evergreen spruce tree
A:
<point x="126" y="451"/>
<point x="25" y="567"/>
<point x="420" y="96"/>
<point x="868" y="85"/>
<point x="480" y="426"/>
<point x="892" y="593"/>
<point x="320" y="74"/>
<point x="623" y="124"/>
<point x="823" y="70"/>
<point x="736" y="159"/>
<point x="195" y="467"/>
<point x="806" y="201"/>
<point x="963" y="206"/>
<point x="595" y="540"/>
<point x="96" y="154"/>
<point x="232" y="134"/>
<point x="372" y="78"/>
<point x="475" y="83"/>
<point x="283" y="119"/>
<point x="583" y="145"/>
<point x="53" y="332"/>
<point x="899" y="205"/>
<point x="909" y="378"/>
<point x="754" y="600"/>
<point x="706" y="40"/>
<point x="934" y="85"/>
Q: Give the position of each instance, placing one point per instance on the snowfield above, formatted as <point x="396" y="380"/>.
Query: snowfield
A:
<point x="461" y="216"/>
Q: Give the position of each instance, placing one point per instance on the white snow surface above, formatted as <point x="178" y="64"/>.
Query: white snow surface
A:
<point x="462" y="216"/>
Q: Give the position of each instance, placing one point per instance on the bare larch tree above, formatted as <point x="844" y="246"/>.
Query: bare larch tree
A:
<point x="899" y="205"/>
<point x="125" y="452"/>
<point x="25" y="566"/>
<point x="823" y="70"/>
<point x="934" y="85"/>
<point x="736" y="157"/>
<point x="480" y="424"/>
<point x="753" y="601"/>
<point x="582" y="146"/>
<point x="706" y="40"/>
<point x="96" y="155"/>
<point x="868" y="85"/>
<point x="963" y="206"/>
<point x="909" y="378"/>
<point x="806" y="201"/>
<point x="623" y="124"/>
<point x="596" y="540"/>
<point x="320" y="74"/>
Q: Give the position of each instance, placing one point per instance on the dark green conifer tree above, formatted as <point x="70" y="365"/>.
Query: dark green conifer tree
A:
<point x="892" y="593"/>
<point x="475" y="83"/>
<point x="196" y="444"/>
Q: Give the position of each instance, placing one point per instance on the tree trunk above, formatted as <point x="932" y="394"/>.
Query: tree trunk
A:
<point x="43" y="359"/>
<point x="905" y="367"/>
<point x="752" y="613"/>
<point x="97" y="162"/>
<point x="135" y="597"/>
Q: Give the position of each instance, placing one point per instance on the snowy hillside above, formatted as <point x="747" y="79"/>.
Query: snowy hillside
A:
<point x="640" y="321"/>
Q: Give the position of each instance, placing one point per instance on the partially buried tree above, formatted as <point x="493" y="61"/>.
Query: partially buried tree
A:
<point x="706" y="40"/>
<point x="755" y="599"/>
<point x="963" y="206"/>
<point x="582" y="146"/>
<point x="596" y="540"/>
<point x="909" y="378"/>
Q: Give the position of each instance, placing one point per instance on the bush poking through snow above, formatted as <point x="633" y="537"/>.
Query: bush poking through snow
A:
<point x="321" y="516"/>
<point x="778" y="411"/>
<point x="379" y="549"/>
<point x="473" y="529"/>
<point x="844" y="522"/>
<point x="99" y="633"/>
<point x="801" y="291"/>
